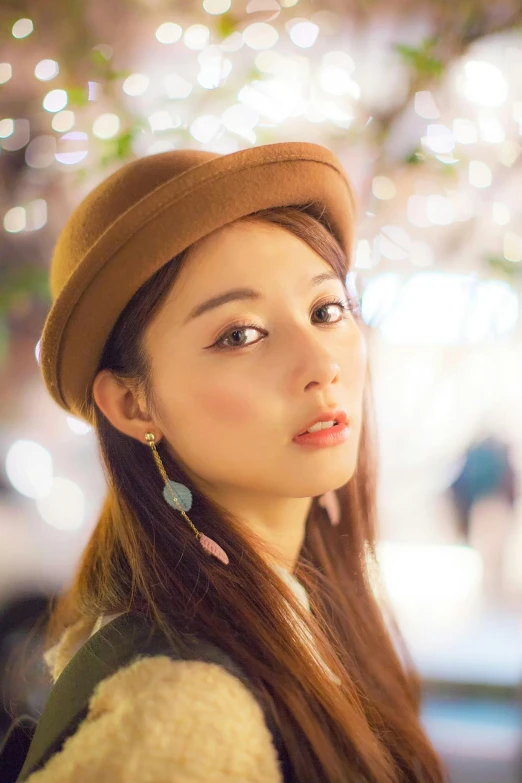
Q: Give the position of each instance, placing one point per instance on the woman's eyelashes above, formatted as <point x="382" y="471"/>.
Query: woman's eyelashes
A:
<point x="241" y="327"/>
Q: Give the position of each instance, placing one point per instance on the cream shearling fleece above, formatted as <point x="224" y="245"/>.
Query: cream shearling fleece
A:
<point x="159" y="720"/>
<point x="164" y="721"/>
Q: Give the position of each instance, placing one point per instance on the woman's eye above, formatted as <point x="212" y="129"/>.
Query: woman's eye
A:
<point x="340" y="303"/>
<point x="231" y="334"/>
<point x="238" y="329"/>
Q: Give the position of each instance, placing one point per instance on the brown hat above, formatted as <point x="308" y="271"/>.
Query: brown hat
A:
<point x="150" y="210"/>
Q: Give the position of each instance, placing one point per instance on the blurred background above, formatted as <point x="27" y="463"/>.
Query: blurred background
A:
<point x="422" y="103"/>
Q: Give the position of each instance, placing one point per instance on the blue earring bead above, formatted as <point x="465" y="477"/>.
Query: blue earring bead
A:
<point x="179" y="497"/>
<point x="183" y="494"/>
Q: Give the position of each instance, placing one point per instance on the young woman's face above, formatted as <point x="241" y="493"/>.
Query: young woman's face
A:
<point x="233" y="397"/>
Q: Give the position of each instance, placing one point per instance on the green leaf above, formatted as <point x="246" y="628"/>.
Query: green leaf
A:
<point x="507" y="268"/>
<point x="420" y="59"/>
<point x="99" y="59"/>
<point x="124" y="145"/>
<point x="254" y="74"/>
<point x="18" y="283"/>
<point x="77" y="96"/>
<point x="114" y="75"/>
<point x="226" y="24"/>
<point x="414" y="158"/>
<point x="120" y="147"/>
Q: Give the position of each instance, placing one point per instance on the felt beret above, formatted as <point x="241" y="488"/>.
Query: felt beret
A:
<point x="148" y="211"/>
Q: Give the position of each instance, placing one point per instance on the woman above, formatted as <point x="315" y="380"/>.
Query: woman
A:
<point x="201" y="323"/>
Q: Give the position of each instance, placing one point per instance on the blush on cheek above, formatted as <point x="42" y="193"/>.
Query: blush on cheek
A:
<point x="225" y="406"/>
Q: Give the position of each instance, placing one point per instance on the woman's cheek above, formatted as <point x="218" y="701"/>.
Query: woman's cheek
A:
<point x="225" y="405"/>
<point x="360" y="354"/>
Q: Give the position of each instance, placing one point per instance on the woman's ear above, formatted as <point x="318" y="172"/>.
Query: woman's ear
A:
<point x="123" y="406"/>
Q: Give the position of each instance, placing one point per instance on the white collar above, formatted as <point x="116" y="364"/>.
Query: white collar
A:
<point x="295" y="584"/>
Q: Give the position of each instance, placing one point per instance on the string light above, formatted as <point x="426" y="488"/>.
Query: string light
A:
<point x="513" y="247"/>
<point x="464" y="131"/>
<point x="240" y="119"/>
<point x="15" y="220"/>
<point x="36" y="214"/>
<point x="22" y="28"/>
<point x="17" y="134"/>
<point x="425" y="105"/>
<point x="326" y="93"/>
<point x="6" y="72"/>
<point x="46" y="70"/>
<point x="439" y="210"/>
<point x="161" y="120"/>
<point x="232" y="43"/>
<point x="439" y="138"/>
<point x="394" y="242"/>
<point x="106" y="126"/>
<point x="214" y="67"/>
<point x="484" y="83"/>
<point x="260" y="35"/>
<point x="68" y="156"/>
<point x="177" y="86"/>
<point x="169" y="32"/>
<point x="206" y="128"/>
<point x="63" y="121"/>
<point x="490" y="127"/>
<point x="383" y="188"/>
<point x="363" y="255"/>
<point x="417" y="211"/>
<point x="480" y="175"/>
<point x="196" y="36"/>
<point x="216" y="6"/>
<point x="54" y="101"/>
<point x="501" y="213"/>
<point x="508" y="152"/>
<point x="6" y="128"/>
<point x="304" y="34"/>
<point x="135" y="84"/>
<point x="40" y="152"/>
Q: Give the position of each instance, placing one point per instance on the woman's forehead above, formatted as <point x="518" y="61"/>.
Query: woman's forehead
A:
<point x="248" y="250"/>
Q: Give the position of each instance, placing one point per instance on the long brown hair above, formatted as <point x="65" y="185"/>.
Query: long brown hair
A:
<point x="142" y="557"/>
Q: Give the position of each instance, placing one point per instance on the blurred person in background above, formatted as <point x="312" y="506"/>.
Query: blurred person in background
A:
<point x="484" y="494"/>
<point x="202" y="323"/>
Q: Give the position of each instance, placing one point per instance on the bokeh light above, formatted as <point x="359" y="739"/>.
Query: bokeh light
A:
<point x="136" y="84"/>
<point x="169" y="32"/>
<point x="54" y="101"/>
<point x="63" y="121"/>
<point x="22" y="28"/>
<point x="46" y="70"/>
<point x="63" y="506"/>
<point x="6" y="72"/>
<point x="106" y="126"/>
<point x="29" y="468"/>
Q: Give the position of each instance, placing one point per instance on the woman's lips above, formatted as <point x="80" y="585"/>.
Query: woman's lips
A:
<point x="338" y="415"/>
<point x="332" y="436"/>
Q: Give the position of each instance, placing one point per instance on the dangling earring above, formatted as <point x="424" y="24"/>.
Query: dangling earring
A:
<point x="179" y="497"/>
<point x="330" y="502"/>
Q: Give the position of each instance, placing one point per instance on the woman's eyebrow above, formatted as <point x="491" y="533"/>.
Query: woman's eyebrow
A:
<point x="245" y="293"/>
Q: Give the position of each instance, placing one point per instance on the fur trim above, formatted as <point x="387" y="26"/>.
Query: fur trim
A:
<point x="164" y="721"/>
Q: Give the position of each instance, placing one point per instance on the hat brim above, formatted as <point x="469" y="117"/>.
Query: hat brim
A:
<point x="162" y="224"/>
